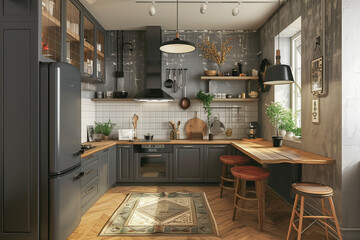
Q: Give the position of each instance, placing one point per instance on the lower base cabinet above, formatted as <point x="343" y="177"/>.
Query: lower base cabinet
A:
<point x="212" y="163"/>
<point x="188" y="163"/>
<point x="104" y="170"/>
<point x="112" y="166"/>
<point x="124" y="163"/>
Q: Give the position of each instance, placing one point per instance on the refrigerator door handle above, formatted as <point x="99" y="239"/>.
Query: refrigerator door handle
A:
<point x="80" y="175"/>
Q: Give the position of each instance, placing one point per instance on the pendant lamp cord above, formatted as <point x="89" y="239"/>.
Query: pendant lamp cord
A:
<point x="278" y="48"/>
<point x="177" y="16"/>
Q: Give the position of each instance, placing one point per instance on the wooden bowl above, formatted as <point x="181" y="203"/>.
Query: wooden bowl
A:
<point x="210" y="73"/>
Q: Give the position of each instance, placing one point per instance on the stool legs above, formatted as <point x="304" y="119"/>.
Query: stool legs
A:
<point x="292" y="216"/>
<point x="236" y="199"/>
<point x="324" y="213"/>
<point x="301" y="217"/>
<point x="335" y="218"/>
<point x="222" y="179"/>
<point x="260" y="190"/>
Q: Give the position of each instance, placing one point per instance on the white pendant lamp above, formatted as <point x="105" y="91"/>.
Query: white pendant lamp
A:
<point x="177" y="45"/>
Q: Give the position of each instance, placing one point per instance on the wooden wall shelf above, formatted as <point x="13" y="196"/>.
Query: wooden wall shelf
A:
<point x="215" y="99"/>
<point x="228" y="78"/>
<point x="235" y="100"/>
<point x="53" y="20"/>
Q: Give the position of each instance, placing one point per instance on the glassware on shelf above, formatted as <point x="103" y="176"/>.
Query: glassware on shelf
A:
<point x="89" y="53"/>
<point x="100" y="54"/>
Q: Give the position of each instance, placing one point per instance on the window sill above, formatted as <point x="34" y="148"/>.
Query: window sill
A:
<point x="292" y="143"/>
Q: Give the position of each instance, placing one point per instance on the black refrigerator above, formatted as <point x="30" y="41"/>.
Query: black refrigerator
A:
<point x="60" y="148"/>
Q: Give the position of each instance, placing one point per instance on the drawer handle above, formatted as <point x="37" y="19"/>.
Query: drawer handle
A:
<point x="123" y="146"/>
<point x="105" y="150"/>
<point x="221" y="146"/>
<point x="89" y="172"/>
<point x="188" y="147"/>
<point x="153" y="155"/>
<point x="89" y="190"/>
<point x="88" y="157"/>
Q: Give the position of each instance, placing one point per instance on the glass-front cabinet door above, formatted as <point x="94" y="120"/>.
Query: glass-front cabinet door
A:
<point x="100" y="54"/>
<point x="51" y="29"/>
<point x="89" y="42"/>
<point x="72" y="34"/>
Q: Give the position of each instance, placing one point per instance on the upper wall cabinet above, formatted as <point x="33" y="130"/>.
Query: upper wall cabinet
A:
<point x="70" y="34"/>
<point x="51" y="29"/>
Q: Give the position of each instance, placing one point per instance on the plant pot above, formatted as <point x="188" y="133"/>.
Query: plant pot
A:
<point x="289" y="135"/>
<point x="277" y="141"/>
<point x="282" y="133"/>
<point x="106" y="138"/>
<point x="98" y="137"/>
<point x="211" y="137"/>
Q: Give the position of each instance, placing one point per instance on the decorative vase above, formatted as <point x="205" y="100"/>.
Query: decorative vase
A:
<point x="289" y="135"/>
<point x="219" y="70"/>
<point x="106" y="138"/>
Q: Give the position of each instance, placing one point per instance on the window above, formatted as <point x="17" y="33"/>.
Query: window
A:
<point x="296" y="67"/>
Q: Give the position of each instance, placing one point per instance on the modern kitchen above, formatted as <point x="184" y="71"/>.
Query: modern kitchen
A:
<point x="179" y="119"/>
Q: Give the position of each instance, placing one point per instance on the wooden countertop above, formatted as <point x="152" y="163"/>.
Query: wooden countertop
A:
<point x="261" y="151"/>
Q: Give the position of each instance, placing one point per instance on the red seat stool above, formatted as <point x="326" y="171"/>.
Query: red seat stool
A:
<point x="250" y="173"/>
<point x="230" y="160"/>
<point x="314" y="190"/>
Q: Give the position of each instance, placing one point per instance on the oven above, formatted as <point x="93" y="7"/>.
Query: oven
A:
<point x="153" y="162"/>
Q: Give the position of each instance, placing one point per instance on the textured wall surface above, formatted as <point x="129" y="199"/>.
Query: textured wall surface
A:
<point x="323" y="139"/>
<point x="245" y="46"/>
<point x="351" y="115"/>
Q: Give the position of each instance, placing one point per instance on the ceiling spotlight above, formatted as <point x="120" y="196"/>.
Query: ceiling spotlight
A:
<point x="203" y="8"/>
<point x="152" y="10"/>
<point x="236" y="10"/>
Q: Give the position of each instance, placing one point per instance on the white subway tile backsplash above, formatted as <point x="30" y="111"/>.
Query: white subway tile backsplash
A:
<point x="154" y="118"/>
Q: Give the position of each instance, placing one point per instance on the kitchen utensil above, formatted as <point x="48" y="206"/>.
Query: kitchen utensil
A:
<point x="148" y="137"/>
<point x="195" y="125"/>
<point x="178" y="124"/>
<point x="228" y="132"/>
<point x="210" y="73"/>
<point x="120" y="94"/>
<point x="175" y="85"/>
<point x="172" y="124"/>
<point x="217" y="127"/>
<point x="185" y="102"/>
<point x="135" y="119"/>
<point x="168" y="82"/>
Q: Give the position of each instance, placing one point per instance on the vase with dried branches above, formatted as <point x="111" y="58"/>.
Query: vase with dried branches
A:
<point x="210" y="52"/>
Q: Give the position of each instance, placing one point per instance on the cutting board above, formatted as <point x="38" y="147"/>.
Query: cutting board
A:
<point x="195" y="125"/>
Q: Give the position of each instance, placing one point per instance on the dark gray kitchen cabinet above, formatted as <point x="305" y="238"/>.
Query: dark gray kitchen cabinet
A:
<point x="104" y="169"/>
<point x="124" y="163"/>
<point x="112" y="166"/>
<point x="212" y="163"/>
<point x="188" y="163"/>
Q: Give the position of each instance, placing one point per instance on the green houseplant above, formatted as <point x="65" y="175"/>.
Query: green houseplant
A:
<point x="206" y="99"/>
<point x="275" y="111"/>
<point x="104" y="128"/>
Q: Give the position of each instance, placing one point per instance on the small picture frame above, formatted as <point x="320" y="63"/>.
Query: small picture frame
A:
<point x="90" y="133"/>
<point x="315" y="112"/>
<point x="316" y="75"/>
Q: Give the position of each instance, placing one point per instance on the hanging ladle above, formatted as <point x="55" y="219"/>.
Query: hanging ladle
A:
<point x="184" y="102"/>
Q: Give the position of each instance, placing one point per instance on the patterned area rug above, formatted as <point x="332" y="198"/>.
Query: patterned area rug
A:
<point x="177" y="213"/>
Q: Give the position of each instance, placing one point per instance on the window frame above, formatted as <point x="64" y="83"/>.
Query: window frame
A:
<point x="296" y="66"/>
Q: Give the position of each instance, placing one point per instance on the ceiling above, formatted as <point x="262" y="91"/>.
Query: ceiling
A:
<point x="129" y="15"/>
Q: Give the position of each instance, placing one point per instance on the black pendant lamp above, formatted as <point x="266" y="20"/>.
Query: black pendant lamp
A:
<point x="280" y="73"/>
<point x="177" y="45"/>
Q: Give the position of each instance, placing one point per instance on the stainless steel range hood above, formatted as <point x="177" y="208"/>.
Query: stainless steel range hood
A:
<point x="152" y="81"/>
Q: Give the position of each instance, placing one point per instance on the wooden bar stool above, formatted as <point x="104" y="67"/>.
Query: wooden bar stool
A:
<point x="232" y="160"/>
<point x="314" y="190"/>
<point x="258" y="175"/>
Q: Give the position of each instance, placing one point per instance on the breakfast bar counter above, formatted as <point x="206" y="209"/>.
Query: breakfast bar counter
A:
<point x="260" y="150"/>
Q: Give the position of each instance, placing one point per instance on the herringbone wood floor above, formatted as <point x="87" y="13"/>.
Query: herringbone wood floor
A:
<point x="245" y="227"/>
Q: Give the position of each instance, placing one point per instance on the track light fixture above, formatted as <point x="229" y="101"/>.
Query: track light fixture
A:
<point x="152" y="10"/>
<point x="236" y="10"/>
<point x="203" y="7"/>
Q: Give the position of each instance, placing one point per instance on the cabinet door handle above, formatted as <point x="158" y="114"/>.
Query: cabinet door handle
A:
<point x="123" y="146"/>
<point x="188" y="146"/>
<point x="88" y="157"/>
<point x="89" y="189"/>
<point x="153" y="155"/>
<point x="219" y="146"/>
<point x="90" y="171"/>
<point x="80" y="175"/>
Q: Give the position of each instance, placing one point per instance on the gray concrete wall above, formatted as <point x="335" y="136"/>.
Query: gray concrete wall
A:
<point x="351" y="117"/>
<point x="323" y="139"/>
<point x="245" y="46"/>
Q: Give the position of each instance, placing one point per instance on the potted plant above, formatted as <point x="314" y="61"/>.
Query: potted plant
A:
<point x="287" y="123"/>
<point x="104" y="128"/>
<point x="98" y="135"/>
<point x="275" y="111"/>
<point x="206" y="99"/>
<point x="297" y="133"/>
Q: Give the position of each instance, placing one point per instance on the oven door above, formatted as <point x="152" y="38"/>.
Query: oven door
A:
<point x="153" y="167"/>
